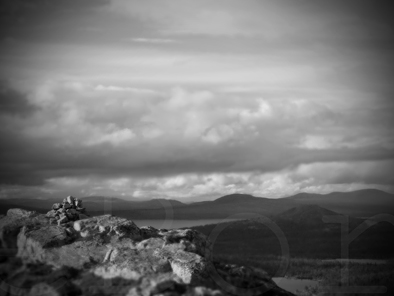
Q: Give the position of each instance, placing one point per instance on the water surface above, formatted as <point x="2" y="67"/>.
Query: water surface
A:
<point x="169" y="224"/>
<point x="292" y="285"/>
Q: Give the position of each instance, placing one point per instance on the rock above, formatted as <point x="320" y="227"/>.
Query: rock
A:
<point x="51" y="214"/>
<point x="191" y="268"/>
<point x="43" y="289"/>
<point x="116" y="226"/>
<point x="78" y="203"/>
<point x="149" y="231"/>
<point x="66" y="206"/>
<point x="62" y="220"/>
<point x="203" y="291"/>
<point x="57" y="206"/>
<point x="188" y="240"/>
<point x="151" y="243"/>
<point x="107" y="255"/>
<point x="70" y="199"/>
<point x="70" y="231"/>
<point x="81" y="210"/>
<point x="32" y="241"/>
<point x="19" y="213"/>
<point x="72" y="211"/>
<point x="11" y="225"/>
<point x="72" y="217"/>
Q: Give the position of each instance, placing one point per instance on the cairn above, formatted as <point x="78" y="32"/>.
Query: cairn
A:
<point x="70" y="210"/>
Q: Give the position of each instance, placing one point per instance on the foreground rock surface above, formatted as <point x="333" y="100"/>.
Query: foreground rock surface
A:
<point x="108" y="255"/>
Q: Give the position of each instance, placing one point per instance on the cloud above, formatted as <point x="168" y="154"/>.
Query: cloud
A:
<point x="120" y="88"/>
<point x="153" y="40"/>
<point x="361" y="172"/>
<point x="13" y="102"/>
<point x="115" y="132"/>
<point x="16" y="16"/>
<point x="195" y="97"/>
<point x="188" y="187"/>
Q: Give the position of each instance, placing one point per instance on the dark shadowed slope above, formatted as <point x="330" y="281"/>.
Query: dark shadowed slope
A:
<point x="303" y="229"/>
<point x="365" y="202"/>
<point x="305" y="214"/>
<point x="365" y="196"/>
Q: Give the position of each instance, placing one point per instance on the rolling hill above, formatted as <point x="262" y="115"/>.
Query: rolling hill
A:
<point x="365" y="202"/>
<point x="361" y="203"/>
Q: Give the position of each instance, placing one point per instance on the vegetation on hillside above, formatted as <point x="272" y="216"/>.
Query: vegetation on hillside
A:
<point x="310" y="241"/>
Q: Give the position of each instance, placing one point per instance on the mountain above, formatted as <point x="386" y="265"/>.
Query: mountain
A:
<point x="365" y="196"/>
<point x="107" y="255"/>
<point x="361" y="203"/>
<point x="365" y="202"/>
<point x="236" y="197"/>
<point x="229" y="206"/>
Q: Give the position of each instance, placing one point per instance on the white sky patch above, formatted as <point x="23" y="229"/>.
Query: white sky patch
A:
<point x="116" y="138"/>
<point x="263" y="110"/>
<point x="218" y="134"/>
<point x="174" y="182"/>
<point x="320" y="142"/>
<point x="153" y="40"/>
<point x="101" y="87"/>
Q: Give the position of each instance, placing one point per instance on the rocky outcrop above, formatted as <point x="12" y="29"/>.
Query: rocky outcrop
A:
<point x="107" y="255"/>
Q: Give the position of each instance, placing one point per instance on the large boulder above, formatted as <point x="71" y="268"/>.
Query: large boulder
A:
<point x="188" y="240"/>
<point x="11" y="224"/>
<point x="108" y="225"/>
<point x="190" y="267"/>
<point x="20" y="213"/>
<point x="33" y="240"/>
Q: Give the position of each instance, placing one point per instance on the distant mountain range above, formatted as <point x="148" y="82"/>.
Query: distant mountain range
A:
<point x="362" y="203"/>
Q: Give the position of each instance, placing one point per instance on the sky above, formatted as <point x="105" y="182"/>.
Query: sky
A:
<point x="192" y="100"/>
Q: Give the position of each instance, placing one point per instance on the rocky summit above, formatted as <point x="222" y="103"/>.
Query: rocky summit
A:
<point x="107" y="255"/>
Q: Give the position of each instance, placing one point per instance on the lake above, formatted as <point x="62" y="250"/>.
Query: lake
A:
<point x="169" y="224"/>
<point x="292" y="285"/>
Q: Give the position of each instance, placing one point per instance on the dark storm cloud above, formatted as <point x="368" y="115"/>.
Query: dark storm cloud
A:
<point x="198" y="137"/>
<point x="13" y="102"/>
<point x="45" y="20"/>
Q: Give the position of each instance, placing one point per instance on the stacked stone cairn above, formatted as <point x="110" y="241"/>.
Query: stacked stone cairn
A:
<point x="70" y="210"/>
